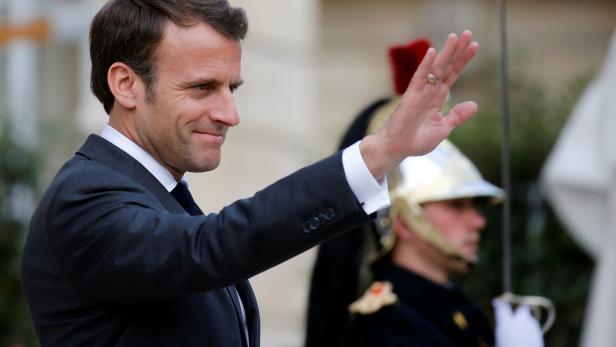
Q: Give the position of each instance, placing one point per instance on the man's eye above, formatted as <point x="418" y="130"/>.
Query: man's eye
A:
<point x="456" y="205"/>
<point x="459" y="204"/>
<point x="203" y="87"/>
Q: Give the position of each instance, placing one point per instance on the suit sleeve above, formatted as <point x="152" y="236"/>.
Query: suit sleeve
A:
<point x="115" y="242"/>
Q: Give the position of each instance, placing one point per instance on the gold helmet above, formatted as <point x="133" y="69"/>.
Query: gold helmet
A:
<point x="443" y="174"/>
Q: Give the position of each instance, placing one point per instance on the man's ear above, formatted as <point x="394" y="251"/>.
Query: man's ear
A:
<point x="402" y="230"/>
<point x="125" y="85"/>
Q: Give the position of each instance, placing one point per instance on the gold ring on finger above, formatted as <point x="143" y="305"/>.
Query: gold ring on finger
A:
<point x="431" y="79"/>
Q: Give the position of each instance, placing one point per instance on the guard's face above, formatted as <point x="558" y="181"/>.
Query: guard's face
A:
<point x="185" y="123"/>
<point x="460" y="222"/>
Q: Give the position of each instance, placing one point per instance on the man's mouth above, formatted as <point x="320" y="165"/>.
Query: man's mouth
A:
<point x="211" y="136"/>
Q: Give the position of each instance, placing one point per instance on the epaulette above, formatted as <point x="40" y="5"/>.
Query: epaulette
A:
<point x="379" y="295"/>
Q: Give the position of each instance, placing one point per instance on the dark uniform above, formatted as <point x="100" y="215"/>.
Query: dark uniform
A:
<point x="426" y="314"/>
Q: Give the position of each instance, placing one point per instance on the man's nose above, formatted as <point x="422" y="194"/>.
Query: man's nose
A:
<point x="225" y="111"/>
<point x="476" y="218"/>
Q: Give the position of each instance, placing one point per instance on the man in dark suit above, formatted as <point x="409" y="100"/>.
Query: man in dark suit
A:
<point x="118" y="253"/>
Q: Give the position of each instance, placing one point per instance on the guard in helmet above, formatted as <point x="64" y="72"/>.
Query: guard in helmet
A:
<point x="431" y="231"/>
<point x="388" y="283"/>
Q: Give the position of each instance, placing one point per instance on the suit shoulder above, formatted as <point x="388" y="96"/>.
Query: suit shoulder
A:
<point x="82" y="182"/>
<point x="81" y="173"/>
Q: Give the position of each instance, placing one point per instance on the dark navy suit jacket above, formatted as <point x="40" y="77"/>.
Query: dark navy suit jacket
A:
<point x="111" y="259"/>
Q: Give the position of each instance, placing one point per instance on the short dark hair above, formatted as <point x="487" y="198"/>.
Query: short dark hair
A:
<point x="129" y="31"/>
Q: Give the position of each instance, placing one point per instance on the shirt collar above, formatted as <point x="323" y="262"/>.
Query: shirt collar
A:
<point x="139" y="154"/>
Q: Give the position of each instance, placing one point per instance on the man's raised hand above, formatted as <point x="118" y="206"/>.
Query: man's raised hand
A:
<point x="417" y="125"/>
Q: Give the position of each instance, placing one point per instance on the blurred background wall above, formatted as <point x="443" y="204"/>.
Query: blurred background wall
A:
<point x="309" y="66"/>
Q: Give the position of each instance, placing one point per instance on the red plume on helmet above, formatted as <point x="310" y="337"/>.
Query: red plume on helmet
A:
<point x="404" y="60"/>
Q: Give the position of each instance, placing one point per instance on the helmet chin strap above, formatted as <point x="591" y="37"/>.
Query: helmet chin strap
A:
<point x="413" y="215"/>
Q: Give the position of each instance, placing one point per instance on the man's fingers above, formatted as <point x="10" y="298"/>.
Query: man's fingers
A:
<point x="460" y="113"/>
<point x="463" y="43"/>
<point x="465" y="40"/>
<point x="444" y="56"/>
<point x="447" y="63"/>
<point x="418" y="82"/>
<point x="466" y="57"/>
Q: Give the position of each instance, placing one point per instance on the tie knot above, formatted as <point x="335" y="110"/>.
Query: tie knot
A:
<point x="183" y="197"/>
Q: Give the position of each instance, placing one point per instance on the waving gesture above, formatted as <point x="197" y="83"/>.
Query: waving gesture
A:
<point x="417" y="125"/>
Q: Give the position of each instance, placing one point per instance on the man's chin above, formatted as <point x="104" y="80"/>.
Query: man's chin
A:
<point x="204" y="165"/>
<point x="464" y="264"/>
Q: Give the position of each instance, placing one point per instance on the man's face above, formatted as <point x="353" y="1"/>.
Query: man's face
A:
<point x="184" y="122"/>
<point x="459" y="222"/>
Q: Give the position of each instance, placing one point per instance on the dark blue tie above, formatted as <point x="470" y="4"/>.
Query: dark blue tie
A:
<point x="183" y="197"/>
